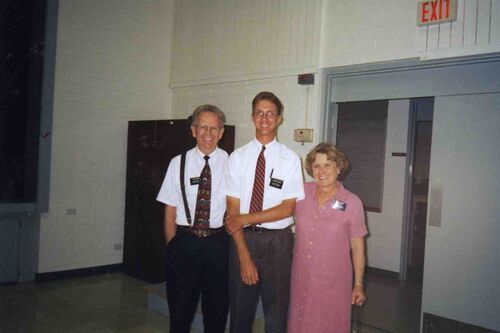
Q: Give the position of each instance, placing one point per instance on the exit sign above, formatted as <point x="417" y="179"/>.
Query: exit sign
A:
<point x="436" y="11"/>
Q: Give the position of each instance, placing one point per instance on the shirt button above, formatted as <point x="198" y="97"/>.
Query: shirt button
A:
<point x="309" y="256"/>
<point x="310" y="243"/>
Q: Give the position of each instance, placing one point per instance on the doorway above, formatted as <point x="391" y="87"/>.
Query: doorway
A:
<point x="368" y="131"/>
<point x="460" y="107"/>
<point x="417" y="188"/>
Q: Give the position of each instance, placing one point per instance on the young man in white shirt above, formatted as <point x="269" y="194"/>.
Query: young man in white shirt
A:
<point x="259" y="216"/>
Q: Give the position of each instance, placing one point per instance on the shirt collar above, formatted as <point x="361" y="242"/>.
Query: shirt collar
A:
<point x="341" y="191"/>
<point x="201" y="154"/>
<point x="257" y="145"/>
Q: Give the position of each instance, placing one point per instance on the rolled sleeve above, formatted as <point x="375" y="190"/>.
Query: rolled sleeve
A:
<point x="294" y="187"/>
<point x="357" y="226"/>
<point x="170" y="189"/>
<point x="232" y="177"/>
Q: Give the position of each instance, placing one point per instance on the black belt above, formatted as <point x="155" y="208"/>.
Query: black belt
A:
<point x="259" y="230"/>
<point x="200" y="232"/>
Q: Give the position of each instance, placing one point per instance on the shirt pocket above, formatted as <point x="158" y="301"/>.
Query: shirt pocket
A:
<point x="274" y="189"/>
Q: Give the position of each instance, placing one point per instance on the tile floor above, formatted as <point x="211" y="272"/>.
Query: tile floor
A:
<point x="118" y="303"/>
<point x="391" y="306"/>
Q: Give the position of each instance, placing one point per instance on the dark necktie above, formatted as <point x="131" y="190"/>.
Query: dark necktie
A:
<point x="202" y="211"/>
<point x="258" y="184"/>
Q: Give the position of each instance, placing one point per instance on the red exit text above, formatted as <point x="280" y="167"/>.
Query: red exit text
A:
<point x="436" y="11"/>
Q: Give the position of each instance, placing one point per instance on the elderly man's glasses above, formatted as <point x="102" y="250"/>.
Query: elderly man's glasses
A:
<point x="210" y="129"/>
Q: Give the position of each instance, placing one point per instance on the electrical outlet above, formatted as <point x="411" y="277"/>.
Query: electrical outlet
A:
<point x="71" y="211"/>
<point x="303" y="134"/>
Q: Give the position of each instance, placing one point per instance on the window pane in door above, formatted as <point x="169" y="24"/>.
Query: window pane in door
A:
<point x="361" y="134"/>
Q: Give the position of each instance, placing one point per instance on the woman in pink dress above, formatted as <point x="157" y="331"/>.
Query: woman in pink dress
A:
<point x="330" y="230"/>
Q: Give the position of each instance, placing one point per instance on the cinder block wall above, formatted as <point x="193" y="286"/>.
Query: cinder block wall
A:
<point x="112" y="66"/>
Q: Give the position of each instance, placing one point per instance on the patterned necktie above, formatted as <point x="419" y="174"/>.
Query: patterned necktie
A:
<point x="258" y="184"/>
<point x="202" y="211"/>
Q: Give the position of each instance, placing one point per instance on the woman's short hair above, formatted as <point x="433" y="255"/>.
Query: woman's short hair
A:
<point x="268" y="96"/>
<point x="332" y="154"/>
<point x="208" y="108"/>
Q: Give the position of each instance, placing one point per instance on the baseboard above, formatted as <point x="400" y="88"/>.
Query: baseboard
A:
<point x="382" y="273"/>
<point x="437" y="324"/>
<point x="81" y="272"/>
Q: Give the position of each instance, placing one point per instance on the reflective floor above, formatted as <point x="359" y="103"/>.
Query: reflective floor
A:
<point x="391" y="306"/>
<point x="104" y="303"/>
<point x="118" y="303"/>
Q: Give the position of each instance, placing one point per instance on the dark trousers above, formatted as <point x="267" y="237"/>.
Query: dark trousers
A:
<point x="271" y="252"/>
<point x="197" y="266"/>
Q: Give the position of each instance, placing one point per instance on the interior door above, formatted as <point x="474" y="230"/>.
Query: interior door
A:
<point x="462" y="241"/>
<point x="421" y="116"/>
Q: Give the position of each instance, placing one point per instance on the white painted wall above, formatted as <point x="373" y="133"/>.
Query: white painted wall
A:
<point x="384" y="241"/>
<point x="462" y="266"/>
<point x="226" y="41"/>
<point x="112" y="65"/>
<point x="357" y="31"/>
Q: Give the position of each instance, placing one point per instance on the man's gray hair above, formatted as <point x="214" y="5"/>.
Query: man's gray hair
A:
<point x="208" y="108"/>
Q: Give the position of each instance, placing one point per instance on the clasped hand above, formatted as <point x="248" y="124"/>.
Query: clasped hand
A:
<point x="233" y="224"/>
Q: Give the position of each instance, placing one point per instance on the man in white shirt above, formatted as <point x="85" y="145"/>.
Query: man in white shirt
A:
<point x="263" y="180"/>
<point x="197" y="250"/>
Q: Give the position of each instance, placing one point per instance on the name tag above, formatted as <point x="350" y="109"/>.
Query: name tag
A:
<point x="277" y="183"/>
<point x="194" y="180"/>
<point x="337" y="204"/>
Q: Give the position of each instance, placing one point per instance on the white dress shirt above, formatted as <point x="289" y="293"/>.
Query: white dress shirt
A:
<point x="282" y="164"/>
<point x="170" y="192"/>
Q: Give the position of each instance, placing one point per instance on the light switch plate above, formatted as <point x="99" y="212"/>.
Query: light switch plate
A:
<point x="303" y="134"/>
